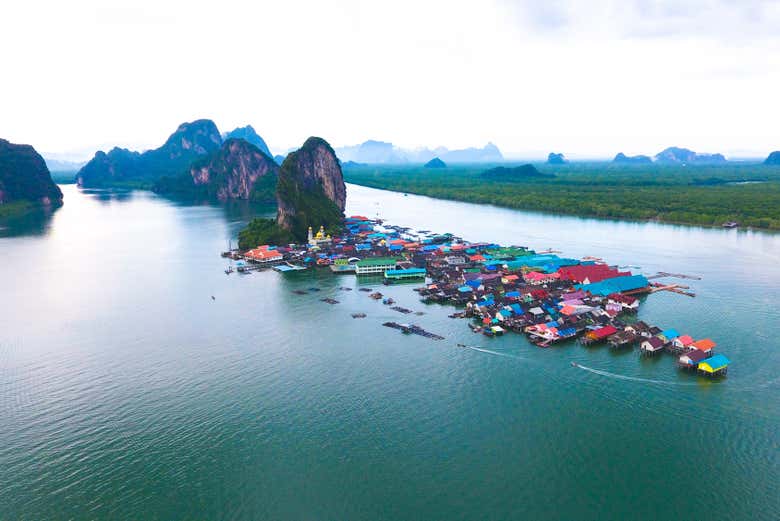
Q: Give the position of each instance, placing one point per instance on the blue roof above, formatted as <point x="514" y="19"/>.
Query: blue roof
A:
<point x="408" y="271"/>
<point x="716" y="362"/>
<point x="512" y="294"/>
<point x="516" y="308"/>
<point x="670" y="334"/>
<point x="474" y="283"/>
<point x="488" y="302"/>
<point x="615" y="285"/>
<point x="465" y="289"/>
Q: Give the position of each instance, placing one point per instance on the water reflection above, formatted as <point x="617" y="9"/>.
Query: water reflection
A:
<point x="34" y="222"/>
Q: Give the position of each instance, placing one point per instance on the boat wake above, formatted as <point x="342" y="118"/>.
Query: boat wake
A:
<point x="629" y="378"/>
<point x="490" y="352"/>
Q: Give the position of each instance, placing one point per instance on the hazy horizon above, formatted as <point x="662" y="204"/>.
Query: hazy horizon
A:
<point x="585" y="80"/>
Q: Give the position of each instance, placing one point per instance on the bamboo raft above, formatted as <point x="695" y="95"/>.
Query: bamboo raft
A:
<point x="413" y="329"/>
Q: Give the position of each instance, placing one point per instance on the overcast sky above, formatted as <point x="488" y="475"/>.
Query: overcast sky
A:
<point x="584" y="78"/>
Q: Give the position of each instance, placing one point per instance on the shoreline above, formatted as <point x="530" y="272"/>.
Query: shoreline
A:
<point x="573" y="214"/>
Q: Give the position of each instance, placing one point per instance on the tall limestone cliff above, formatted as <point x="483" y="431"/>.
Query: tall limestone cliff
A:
<point x="310" y="192"/>
<point x="188" y="142"/>
<point x="311" y="189"/>
<point x="24" y="177"/>
<point x="238" y="170"/>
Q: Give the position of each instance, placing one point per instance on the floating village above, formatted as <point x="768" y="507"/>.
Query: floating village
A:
<point x="498" y="289"/>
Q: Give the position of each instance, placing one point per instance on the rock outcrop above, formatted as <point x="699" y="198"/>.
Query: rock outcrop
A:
<point x="556" y="159"/>
<point x="238" y="170"/>
<point x="677" y="155"/>
<point x="773" y="158"/>
<point x="621" y="158"/>
<point x="248" y="133"/>
<point x="24" y="176"/>
<point x="435" y="163"/>
<point x="311" y="189"/>
<point x="188" y="142"/>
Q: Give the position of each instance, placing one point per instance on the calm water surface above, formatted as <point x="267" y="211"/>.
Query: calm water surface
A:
<point x="127" y="392"/>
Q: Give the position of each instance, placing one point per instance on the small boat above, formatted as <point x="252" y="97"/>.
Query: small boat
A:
<point x="730" y="224"/>
<point x="388" y="301"/>
<point x="229" y="270"/>
<point x="575" y="364"/>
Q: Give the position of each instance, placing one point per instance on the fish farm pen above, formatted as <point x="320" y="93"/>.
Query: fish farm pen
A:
<point x="548" y="298"/>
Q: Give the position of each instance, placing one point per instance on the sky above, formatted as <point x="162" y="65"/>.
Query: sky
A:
<point x="588" y="79"/>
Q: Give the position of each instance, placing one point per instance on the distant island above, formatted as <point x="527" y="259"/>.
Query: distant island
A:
<point x="684" y="156"/>
<point x="514" y="173"/>
<point x="435" y="163"/>
<point x="556" y="159"/>
<point x="773" y="158"/>
<point x="310" y="193"/>
<point x="25" y="180"/>
<point x="623" y="159"/>
<point x="383" y="152"/>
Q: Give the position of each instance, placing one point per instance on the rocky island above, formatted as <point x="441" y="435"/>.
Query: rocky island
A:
<point x="25" y="180"/>
<point x="556" y="159"/>
<point x="435" y="163"/>
<point x="773" y="158"/>
<point x="684" y="156"/>
<point x="623" y="159"/>
<point x="310" y="192"/>
<point x="237" y="170"/>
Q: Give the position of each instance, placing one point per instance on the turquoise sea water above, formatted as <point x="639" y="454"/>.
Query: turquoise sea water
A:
<point x="127" y="392"/>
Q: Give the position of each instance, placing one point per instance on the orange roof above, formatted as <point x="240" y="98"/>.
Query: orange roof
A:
<point x="705" y="344"/>
<point x="262" y="253"/>
<point x="511" y="277"/>
<point x="477" y="258"/>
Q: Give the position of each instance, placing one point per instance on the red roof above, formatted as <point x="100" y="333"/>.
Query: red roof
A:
<point x="604" y="332"/>
<point x="592" y="272"/>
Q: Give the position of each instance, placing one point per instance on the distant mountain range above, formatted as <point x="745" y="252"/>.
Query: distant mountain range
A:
<point x="382" y="152"/>
<point x="59" y="165"/>
<point x="174" y="159"/>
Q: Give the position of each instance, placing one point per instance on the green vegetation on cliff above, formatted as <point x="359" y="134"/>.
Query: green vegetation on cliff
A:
<point x="310" y="192"/>
<point x="263" y="231"/>
<point x="25" y="181"/>
<point x="748" y="193"/>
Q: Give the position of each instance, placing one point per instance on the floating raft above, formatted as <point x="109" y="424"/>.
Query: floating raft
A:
<point x="413" y="329"/>
<point x="401" y="310"/>
<point x="330" y="300"/>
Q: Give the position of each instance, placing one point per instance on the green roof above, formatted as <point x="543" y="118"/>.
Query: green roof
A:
<point x="378" y="261"/>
